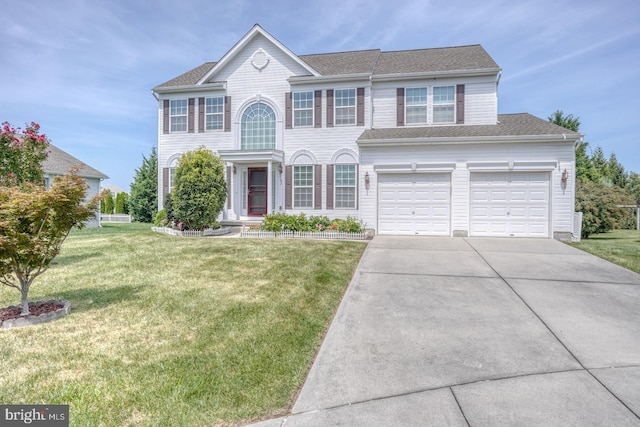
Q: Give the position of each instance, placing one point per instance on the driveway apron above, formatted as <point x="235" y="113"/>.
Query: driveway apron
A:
<point x="481" y="332"/>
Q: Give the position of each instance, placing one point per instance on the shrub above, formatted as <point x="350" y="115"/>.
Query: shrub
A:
<point x="282" y="222"/>
<point x="598" y="204"/>
<point x="161" y="218"/>
<point x="199" y="189"/>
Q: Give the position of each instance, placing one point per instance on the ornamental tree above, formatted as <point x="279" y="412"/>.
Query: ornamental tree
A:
<point x="22" y="153"/>
<point x="34" y="222"/>
<point x="199" y="189"/>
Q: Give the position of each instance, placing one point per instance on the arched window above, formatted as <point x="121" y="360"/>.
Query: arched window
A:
<point x="258" y="128"/>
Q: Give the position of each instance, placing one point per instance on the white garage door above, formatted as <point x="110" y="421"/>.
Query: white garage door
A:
<point x="512" y="204"/>
<point x="414" y="203"/>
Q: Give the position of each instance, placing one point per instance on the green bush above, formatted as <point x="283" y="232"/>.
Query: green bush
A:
<point x="161" y="218"/>
<point x="199" y="189"/>
<point x="598" y="204"/>
<point x="282" y="222"/>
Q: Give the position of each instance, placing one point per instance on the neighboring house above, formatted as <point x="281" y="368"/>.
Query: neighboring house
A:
<point x="59" y="163"/>
<point x="410" y="142"/>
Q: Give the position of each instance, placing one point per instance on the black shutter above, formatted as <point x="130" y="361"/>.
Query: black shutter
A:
<point x="400" y="106"/>
<point x="288" y="187"/>
<point x="329" y="108"/>
<point x="227" y="114"/>
<point x="360" y="107"/>
<point x="460" y="104"/>
<point x="317" y="106"/>
<point x="330" y="186"/>
<point x="191" y="116"/>
<point x="165" y="116"/>
<point x="200" y="114"/>
<point x="165" y="184"/>
<point x="287" y="111"/>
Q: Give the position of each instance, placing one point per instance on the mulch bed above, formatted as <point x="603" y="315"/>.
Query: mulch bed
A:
<point x="36" y="309"/>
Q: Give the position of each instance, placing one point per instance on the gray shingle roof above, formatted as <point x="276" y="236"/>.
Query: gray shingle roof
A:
<point x="331" y="64"/>
<point x="59" y="162"/>
<point x="190" y="77"/>
<point x="458" y="58"/>
<point x="376" y="62"/>
<point x="522" y="124"/>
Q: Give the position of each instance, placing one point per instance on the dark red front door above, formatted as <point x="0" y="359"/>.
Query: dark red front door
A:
<point x="257" y="191"/>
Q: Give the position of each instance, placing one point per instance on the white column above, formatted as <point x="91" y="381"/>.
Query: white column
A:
<point x="269" y="186"/>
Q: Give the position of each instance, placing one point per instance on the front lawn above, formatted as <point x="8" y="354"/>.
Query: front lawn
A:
<point x="621" y="247"/>
<point x="173" y="331"/>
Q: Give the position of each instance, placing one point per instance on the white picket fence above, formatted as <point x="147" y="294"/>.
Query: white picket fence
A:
<point x="115" y="218"/>
<point x="207" y="232"/>
<point x="325" y="235"/>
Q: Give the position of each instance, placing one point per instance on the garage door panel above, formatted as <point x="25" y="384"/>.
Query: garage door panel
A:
<point x="414" y="203"/>
<point x="510" y="204"/>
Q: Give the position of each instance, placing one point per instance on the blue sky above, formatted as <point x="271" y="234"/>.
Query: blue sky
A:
<point x="84" y="69"/>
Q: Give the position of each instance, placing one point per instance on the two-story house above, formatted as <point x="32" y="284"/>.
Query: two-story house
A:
<point x="410" y="142"/>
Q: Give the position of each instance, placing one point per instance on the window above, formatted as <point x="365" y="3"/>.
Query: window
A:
<point x="214" y="113"/>
<point x="345" y="102"/>
<point x="303" y="186"/>
<point x="172" y="175"/>
<point x="178" y="115"/>
<point x="345" y="186"/>
<point x="258" y="128"/>
<point x="302" y="109"/>
<point x="416" y="105"/>
<point x="443" y="104"/>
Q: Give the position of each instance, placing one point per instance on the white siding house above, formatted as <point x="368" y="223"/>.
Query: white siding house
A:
<point x="59" y="162"/>
<point x="410" y="142"/>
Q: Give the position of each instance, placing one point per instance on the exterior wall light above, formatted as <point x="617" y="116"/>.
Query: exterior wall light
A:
<point x="366" y="179"/>
<point x="280" y="168"/>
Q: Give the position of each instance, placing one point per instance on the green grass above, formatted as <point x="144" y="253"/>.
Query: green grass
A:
<point x="621" y="247"/>
<point x="173" y="331"/>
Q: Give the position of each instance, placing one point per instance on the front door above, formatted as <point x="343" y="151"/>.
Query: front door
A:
<point x="257" y="191"/>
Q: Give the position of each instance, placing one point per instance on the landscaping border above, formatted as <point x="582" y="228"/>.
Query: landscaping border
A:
<point x="207" y="232"/>
<point x="35" y="320"/>
<point x="324" y="235"/>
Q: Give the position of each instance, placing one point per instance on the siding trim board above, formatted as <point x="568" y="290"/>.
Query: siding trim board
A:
<point x="329" y="108"/>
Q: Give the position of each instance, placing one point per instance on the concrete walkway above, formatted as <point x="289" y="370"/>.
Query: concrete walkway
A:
<point x="480" y="332"/>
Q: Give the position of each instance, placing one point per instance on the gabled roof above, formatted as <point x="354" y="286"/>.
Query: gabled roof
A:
<point x="190" y="77"/>
<point x="59" y="162"/>
<point x="509" y="126"/>
<point x="254" y="32"/>
<point x="373" y="62"/>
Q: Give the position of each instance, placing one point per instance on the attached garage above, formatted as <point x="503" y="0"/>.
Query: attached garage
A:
<point x="414" y="203"/>
<point x="509" y="204"/>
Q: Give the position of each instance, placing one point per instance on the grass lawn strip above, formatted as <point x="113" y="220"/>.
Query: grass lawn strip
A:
<point x="621" y="247"/>
<point x="170" y="331"/>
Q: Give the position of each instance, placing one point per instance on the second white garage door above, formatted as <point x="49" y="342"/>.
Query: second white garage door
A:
<point x="510" y="204"/>
<point x="414" y="203"/>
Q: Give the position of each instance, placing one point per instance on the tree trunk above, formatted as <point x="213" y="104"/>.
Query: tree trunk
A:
<point x="24" y="290"/>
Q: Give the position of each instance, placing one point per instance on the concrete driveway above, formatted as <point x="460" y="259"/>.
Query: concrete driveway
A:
<point x="480" y="332"/>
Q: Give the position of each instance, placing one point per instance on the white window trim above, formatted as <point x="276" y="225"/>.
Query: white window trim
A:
<point x="185" y="115"/>
<point x="294" y="109"/>
<point x="354" y="186"/>
<point x="335" y="107"/>
<point x="452" y="104"/>
<point x="426" y="105"/>
<point x="206" y="129"/>
<point x="294" y="186"/>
